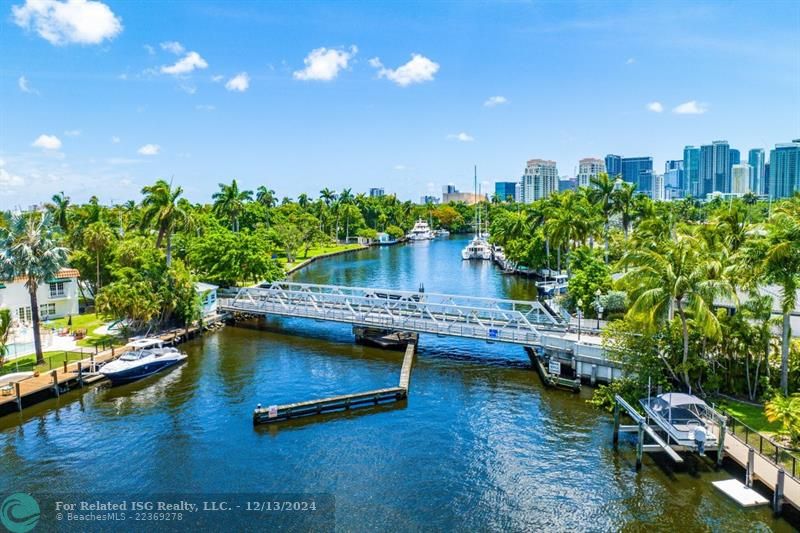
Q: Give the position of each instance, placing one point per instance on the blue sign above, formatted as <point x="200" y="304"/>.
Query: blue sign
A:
<point x="493" y="333"/>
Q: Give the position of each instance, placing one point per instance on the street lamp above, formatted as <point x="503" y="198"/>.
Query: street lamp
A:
<point x="580" y="313"/>
<point x="599" y="305"/>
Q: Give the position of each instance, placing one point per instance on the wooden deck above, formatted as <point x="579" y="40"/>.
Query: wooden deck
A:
<point x="344" y="402"/>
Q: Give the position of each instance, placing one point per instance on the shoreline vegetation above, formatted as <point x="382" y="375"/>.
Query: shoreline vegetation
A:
<point x="681" y="285"/>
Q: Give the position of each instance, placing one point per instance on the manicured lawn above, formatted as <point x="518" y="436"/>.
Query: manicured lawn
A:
<point x="89" y="322"/>
<point x="52" y="360"/>
<point x="313" y="252"/>
<point x="752" y="415"/>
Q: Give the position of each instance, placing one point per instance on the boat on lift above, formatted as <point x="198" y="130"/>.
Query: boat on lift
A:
<point x="420" y="232"/>
<point x="145" y="357"/>
<point x="678" y="414"/>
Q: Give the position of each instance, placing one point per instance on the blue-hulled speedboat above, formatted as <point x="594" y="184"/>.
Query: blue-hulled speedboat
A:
<point x="144" y="357"/>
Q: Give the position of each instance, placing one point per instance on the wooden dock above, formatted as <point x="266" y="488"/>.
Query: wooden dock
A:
<point x="342" y="403"/>
<point x="76" y="374"/>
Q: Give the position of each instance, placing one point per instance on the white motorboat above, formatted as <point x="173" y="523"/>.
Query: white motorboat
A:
<point x="442" y="233"/>
<point x="678" y="414"/>
<point x="420" y="232"/>
<point x="477" y="249"/>
<point x="144" y="358"/>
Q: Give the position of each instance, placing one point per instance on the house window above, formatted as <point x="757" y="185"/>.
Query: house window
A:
<point x="47" y="310"/>
<point x="24" y="314"/>
<point x="57" y="290"/>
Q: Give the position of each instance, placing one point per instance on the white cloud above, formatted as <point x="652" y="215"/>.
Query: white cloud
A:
<point x="205" y="107"/>
<point x="188" y="89"/>
<point x="173" y="46"/>
<point x="692" y="107"/>
<point x="72" y="133"/>
<point x="630" y="61"/>
<point x="149" y="149"/>
<point x="240" y="82"/>
<point x="494" y="101"/>
<point x="115" y="139"/>
<point x="655" y="107"/>
<point x="69" y="21"/>
<point x="48" y="142"/>
<point x="324" y="64"/>
<point x="25" y="86"/>
<point x="190" y="61"/>
<point x="418" y="70"/>
<point x="218" y="78"/>
<point x="150" y="50"/>
<point x="9" y="180"/>
<point x="462" y="137"/>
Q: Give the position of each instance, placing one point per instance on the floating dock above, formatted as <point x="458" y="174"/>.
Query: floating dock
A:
<point x="342" y="403"/>
<point x="740" y="493"/>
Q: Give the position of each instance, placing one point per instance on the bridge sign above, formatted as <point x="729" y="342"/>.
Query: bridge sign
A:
<point x="554" y="367"/>
<point x="493" y="333"/>
<point x="273" y="411"/>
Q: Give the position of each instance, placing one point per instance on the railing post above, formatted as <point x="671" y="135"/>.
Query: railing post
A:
<point x="721" y="440"/>
<point x="777" y="502"/>
<point x="66" y="358"/>
<point x="80" y="373"/>
<point x="751" y="454"/>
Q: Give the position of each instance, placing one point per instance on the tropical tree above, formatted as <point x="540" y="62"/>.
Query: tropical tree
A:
<point x="162" y="209"/>
<point x="786" y="410"/>
<point x="624" y="200"/>
<point x="60" y="210"/>
<point x="30" y="251"/>
<point x="97" y="238"/>
<point x="681" y="278"/>
<point x="5" y="329"/>
<point x="601" y="193"/>
<point x="229" y="202"/>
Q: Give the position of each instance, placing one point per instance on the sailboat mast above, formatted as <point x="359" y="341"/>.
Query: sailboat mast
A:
<point x="478" y="205"/>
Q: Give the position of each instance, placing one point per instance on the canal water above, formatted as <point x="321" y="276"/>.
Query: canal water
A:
<point x="479" y="445"/>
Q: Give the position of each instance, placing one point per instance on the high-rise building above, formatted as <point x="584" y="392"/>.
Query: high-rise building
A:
<point x="567" y="184"/>
<point x="784" y="169"/>
<point x="505" y="190"/>
<point x="589" y="168"/>
<point x="736" y="157"/>
<point x="449" y="189"/>
<point x="639" y="171"/>
<point x="715" y="167"/>
<point x="658" y="192"/>
<point x="706" y="169"/>
<point x="428" y="199"/>
<point x="613" y="165"/>
<point x="518" y="192"/>
<point x="740" y="179"/>
<point x="540" y="180"/>
<point x="376" y="192"/>
<point x="673" y="179"/>
<point x="755" y="158"/>
<point x="691" y="184"/>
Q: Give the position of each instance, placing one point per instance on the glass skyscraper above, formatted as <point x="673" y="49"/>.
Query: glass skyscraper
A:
<point x="613" y="165"/>
<point x="784" y="169"/>
<point x="638" y="170"/>
<point x="755" y="158"/>
<point x="691" y="172"/>
<point x="505" y="190"/>
<point x="715" y="167"/>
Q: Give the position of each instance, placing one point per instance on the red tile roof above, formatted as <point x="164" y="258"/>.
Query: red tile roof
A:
<point x="65" y="273"/>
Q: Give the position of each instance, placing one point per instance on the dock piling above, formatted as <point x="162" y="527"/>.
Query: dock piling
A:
<point x="80" y="374"/>
<point x="751" y="457"/>
<point x="19" y="396"/>
<point x="640" y="447"/>
<point x="66" y="357"/>
<point x="616" y="424"/>
<point x="777" y="501"/>
<point x="54" y="373"/>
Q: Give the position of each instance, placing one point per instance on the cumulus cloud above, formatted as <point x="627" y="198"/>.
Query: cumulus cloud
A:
<point x="173" y="46"/>
<point x="9" y="181"/>
<point x="47" y="142"/>
<point x="418" y="70"/>
<point x="67" y="22"/>
<point x="217" y="78"/>
<point x="187" y="64"/>
<point x="655" y="107"/>
<point x="324" y="64"/>
<point x="25" y="86"/>
<point x="150" y="50"/>
<point x="239" y="83"/>
<point x="494" y="101"/>
<point x="461" y="137"/>
<point x="692" y="107"/>
<point x="149" y="149"/>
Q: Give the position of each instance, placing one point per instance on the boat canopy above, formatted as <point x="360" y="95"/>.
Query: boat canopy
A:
<point x="145" y="343"/>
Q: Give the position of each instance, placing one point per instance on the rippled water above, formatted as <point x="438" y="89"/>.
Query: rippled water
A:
<point x="479" y="445"/>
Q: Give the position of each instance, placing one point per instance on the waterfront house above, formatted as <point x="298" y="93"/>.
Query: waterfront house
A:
<point x="208" y="298"/>
<point x="57" y="297"/>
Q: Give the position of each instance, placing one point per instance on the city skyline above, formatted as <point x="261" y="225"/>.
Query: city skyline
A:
<point x="109" y="109"/>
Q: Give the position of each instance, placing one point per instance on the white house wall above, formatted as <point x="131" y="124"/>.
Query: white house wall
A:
<point x="15" y="295"/>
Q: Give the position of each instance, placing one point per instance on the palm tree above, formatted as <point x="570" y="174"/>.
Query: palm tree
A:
<point x="30" y="251"/>
<point x="97" y="237"/>
<point x="776" y="259"/>
<point x="60" y="210"/>
<point x="624" y="200"/>
<point x="786" y="410"/>
<point x="679" y="277"/>
<point x="328" y="196"/>
<point x="302" y="200"/>
<point x="229" y="202"/>
<point x="601" y="194"/>
<point x="266" y="197"/>
<point x="160" y="207"/>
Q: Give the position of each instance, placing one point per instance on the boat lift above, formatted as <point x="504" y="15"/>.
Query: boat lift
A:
<point x="642" y="427"/>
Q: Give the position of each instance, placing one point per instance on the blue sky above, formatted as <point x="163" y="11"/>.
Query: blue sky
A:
<point x="105" y="97"/>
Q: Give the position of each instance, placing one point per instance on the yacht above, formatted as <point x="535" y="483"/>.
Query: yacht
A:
<point x="442" y="233"/>
<point x="420" y="232"/>
<point x="477" y="248"/>
<point x="144" y="358"/>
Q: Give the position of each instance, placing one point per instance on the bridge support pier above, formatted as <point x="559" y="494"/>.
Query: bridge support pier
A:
<point x="388" y="339"/>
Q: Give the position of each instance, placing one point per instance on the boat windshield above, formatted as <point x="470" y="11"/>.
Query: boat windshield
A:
<point x="135" y="355"/>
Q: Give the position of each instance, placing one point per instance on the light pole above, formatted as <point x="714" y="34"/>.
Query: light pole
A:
<point x="580" y="313"/>
<point x="599" y="306"/>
